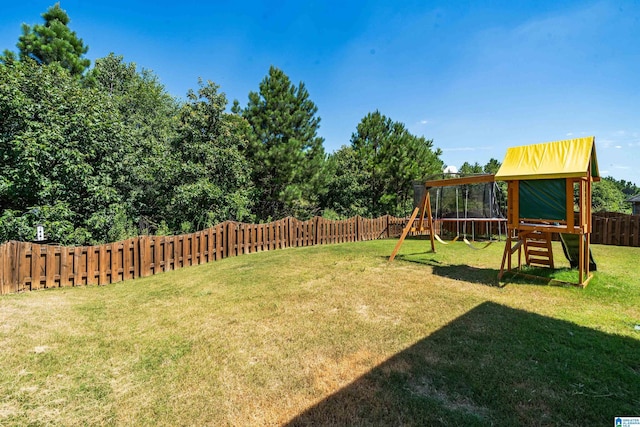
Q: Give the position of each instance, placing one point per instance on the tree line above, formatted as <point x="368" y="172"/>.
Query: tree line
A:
<point x="104" y="153"/>
<point x="99" y="154"/>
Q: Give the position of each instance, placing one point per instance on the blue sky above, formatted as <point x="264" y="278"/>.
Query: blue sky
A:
<point x="476" y="77"/>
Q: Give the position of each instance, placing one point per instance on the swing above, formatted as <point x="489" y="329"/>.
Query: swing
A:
<point x="466" y="211"/>
<point x="480" y="205"/>
<point x="436" y="219"/>
<point x="422" y="219"/>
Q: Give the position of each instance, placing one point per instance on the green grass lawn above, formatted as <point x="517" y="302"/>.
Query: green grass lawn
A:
<point x="330" y="335"/>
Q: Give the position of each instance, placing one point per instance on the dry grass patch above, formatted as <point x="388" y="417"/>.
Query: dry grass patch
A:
<point x="324" y="335"/>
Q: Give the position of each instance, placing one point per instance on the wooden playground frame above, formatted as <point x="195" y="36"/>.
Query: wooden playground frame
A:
<point x="573" y="161"/>
<point x="579" y="223"/>
<point x="424" y="213"/>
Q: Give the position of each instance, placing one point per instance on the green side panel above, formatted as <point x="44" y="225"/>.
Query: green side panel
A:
<point x="543" y="199"/>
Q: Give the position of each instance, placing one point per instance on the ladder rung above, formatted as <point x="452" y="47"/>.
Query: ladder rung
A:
<point x="533" y="252"/>
<point x="537" y="261"/>
<point x="538" y="244"/>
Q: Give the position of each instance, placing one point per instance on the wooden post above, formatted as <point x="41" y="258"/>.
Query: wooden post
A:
<point x="36" y="266"/>
<point x="569" y="203"/>
<point x="5" y="286"/>
<point x="102" y="265"/>
<point x="231" y="239"/>
<point x="427" y="205"/>
<point x="194" y="248"/>
<point x="77" y="273"/>
<point x="90" y="265"/>
<point x="117" y="255"/>
<point x="64" y="266"/>
<point x="507" y="250"/>
<point x="50" y="267"/>
<point x="404" y="234"/>
<point x="14" y="258"/>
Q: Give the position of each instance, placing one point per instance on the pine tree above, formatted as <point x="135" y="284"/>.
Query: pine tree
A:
<point x="286" y="154"/>
<point x="392" y="158"/>
<point x="53" y="42"/>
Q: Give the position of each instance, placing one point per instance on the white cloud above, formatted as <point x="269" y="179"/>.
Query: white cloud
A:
<point x="605" y="143"/>
<point x="618" y="146"/>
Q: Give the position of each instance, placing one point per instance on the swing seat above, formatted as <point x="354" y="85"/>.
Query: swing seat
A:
<point x="475" y="248"/>
<point x="455" y="239"/>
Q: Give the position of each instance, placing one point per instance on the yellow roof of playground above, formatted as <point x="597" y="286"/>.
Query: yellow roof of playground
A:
<point x="570" y="158"/>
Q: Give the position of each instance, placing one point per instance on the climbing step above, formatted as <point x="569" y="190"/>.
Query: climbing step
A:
<point x="538" y="250"/>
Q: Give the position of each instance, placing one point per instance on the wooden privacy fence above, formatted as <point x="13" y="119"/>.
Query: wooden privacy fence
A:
<point x="618" y="229"/>
<point x="28" y="266"/>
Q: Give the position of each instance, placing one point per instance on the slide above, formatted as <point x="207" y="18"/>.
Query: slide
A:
<point x="570" y="246"/>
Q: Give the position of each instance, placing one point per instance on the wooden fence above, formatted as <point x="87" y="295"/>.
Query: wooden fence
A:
<point x="610" y="228"/>
<point x="28" y="266"/>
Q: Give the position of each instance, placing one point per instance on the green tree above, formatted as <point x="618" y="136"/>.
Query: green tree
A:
<point x="470" y="169"/>
<point x="61" y="152"/>
<point x="150" y="118"/>
<point x="392" y="158"/>
<point x="286" y="153"/>
<point x="492" y="166"/>
<point x="52" y="42"/>
<point x="112" y="75"/>
<point x="347" y="189"/>
<point x="627" y="187"/>
<point x="213" y="183"/>
<point x="606" y="196"/>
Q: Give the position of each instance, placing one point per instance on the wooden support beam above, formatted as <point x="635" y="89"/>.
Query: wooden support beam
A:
<point x="424" y="209"/>
<point x="404" y="234"/>
<point x="427" y="206"/>
<point x="475" y="179"/>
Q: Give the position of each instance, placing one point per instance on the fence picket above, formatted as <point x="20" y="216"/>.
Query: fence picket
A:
<point x="64" y="266"/>
<point x="77" y="275"/>
<point x="15" y="253"/>
<point x="35" y="267"/>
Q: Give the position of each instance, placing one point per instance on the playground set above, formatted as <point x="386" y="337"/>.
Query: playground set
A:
<point x="548" y="194"/>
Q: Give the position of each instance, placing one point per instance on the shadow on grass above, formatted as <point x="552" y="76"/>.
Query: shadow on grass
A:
<point x="467" y="273"/>
<point x="494" y="366"/>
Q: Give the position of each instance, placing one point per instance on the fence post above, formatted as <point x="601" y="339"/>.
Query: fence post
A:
<point x="3" y="267"/>
<point x="64" y="266"/>
<point x="388" y="231"/>
<point x="231" y="239"/>
<point x="115" y="262"/>
<point x="287" y="239"/>
<point x="10" y="267"/>
<point x="15" y="265"/>
<point x="142" y="256"/>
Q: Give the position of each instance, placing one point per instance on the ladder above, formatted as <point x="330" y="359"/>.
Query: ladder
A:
<point x="537" y="249"/>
